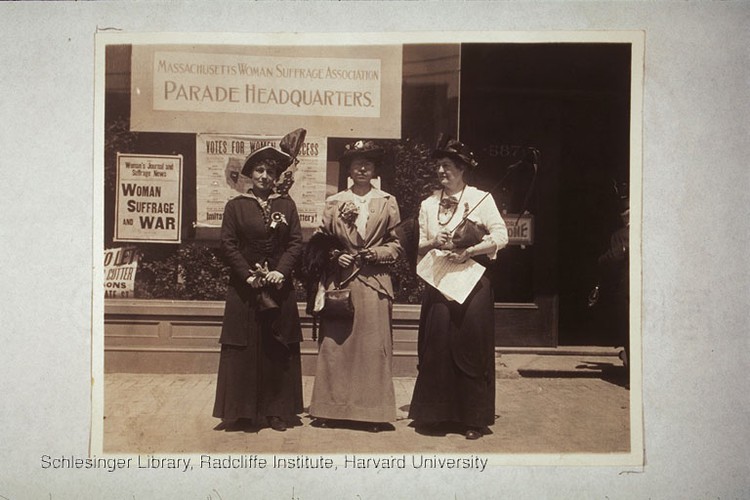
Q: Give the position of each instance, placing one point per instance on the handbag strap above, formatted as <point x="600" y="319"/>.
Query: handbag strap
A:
<point x="466" y="216"/>
<point x="342" y="284"/>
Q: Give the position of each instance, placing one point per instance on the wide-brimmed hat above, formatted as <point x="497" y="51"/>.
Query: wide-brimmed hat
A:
<point x="361" y="149"/>
<point x="456" y="150"/>
<point x="283" y="156"/>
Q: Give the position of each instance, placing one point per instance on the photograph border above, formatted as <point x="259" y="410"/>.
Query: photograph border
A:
<point x="636" y="456"/>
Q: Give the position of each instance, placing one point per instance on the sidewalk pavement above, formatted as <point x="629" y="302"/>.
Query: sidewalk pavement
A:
<point x="571" y="403"/>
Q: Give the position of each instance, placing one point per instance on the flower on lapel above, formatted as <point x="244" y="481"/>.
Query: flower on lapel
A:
<point x="277" y="218"/>
<point x="348" y="212"/>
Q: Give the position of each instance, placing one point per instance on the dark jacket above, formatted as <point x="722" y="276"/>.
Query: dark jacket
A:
<point x="246" y="240"/>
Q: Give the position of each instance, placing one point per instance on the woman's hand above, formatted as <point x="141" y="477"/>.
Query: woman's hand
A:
<point x="256" y="281"/>
<point x="369" y="255"/>
<point x="274" y="278"/>
<point x="259" y="276"/>
<point x="345" y="260"/>
<point x="441" y="240"/>
<point x="460" y="256"/>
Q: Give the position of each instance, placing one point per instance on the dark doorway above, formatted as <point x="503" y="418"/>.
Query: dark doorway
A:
<point x="572" y="103"/>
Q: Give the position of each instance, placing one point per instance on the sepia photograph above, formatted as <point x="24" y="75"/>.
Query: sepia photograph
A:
<point x="372" y="245"/>
<point x="366" y="249"/>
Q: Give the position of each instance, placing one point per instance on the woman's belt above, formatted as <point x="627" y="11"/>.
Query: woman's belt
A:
<point x="265" y="246"/>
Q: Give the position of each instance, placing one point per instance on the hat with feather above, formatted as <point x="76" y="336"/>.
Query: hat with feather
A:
<point x="455" y="150"/>
<point x="282" y="157"/>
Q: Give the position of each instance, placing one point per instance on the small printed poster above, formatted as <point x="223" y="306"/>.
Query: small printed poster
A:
<point x="120" y="266"/>
<point x="520" y="229"/>
<point x="219" y="161"/>
<point x="149" y="198"/>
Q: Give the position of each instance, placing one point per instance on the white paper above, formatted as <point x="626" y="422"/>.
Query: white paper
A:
<point x="454" y="280"/>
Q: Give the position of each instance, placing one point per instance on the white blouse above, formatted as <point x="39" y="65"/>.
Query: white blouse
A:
<point x="362" y="203"/>
<point x="485" y="214"/>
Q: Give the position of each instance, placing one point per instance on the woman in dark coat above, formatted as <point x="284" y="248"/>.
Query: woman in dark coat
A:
<point x="456" y="378"/>
<point x="260" y="378"/>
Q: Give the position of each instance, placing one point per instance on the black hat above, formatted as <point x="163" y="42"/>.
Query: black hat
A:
<point x="361" y="149"/>
<point x="451" y="148"/>
<point x="283" y="156"/>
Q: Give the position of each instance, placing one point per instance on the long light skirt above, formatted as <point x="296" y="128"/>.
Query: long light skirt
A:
<point x="354" y="376"/>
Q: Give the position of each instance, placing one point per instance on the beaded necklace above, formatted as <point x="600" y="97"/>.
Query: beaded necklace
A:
<point x="442" y="208"/>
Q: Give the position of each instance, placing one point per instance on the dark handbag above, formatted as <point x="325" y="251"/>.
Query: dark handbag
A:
<point x="467" y="234"/>
<point x="265" y="302"/>
<point x="337" y="303"/>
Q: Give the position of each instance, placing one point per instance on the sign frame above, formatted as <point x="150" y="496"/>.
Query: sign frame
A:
<point x="515" y="220"/>
<point x="177" y="230"/>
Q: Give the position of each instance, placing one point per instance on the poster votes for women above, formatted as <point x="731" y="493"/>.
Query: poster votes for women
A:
<point x="218" y="175"/>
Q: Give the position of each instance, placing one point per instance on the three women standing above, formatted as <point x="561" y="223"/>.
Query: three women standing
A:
<point x="456" y="371"/>
<point x="259" y="373"/>
<point x="260" y="379"/>
<point x="353" y="378"/>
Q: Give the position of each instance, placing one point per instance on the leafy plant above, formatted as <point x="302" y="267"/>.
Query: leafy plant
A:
<point x="414" y="175"/>
<point x="414" y="180"/>
<point x="192" y="272"/>
<point x="117" y="139"/>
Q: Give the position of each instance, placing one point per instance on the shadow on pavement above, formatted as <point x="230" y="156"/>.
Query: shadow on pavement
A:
<point x="608" y="372"/>
<point x="251" y="427"/>
<point x="352" y="425"/>
<point x="442" y="429"/>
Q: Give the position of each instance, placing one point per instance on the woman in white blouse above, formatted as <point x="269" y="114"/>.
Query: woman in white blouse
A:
<point x="456" y="379"/>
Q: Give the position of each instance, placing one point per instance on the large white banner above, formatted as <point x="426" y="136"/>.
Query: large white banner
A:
<point x="330" y="91"/>
<point x="149" y="198"/>
<point x="303" y="86"/>
<point x="219" y="160"/>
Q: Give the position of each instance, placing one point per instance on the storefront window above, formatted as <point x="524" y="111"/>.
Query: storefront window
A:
<point x="192" y="269"/>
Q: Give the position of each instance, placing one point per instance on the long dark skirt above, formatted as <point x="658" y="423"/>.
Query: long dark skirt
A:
<point x="259" y="380"/>
<point x="456" y="379"/>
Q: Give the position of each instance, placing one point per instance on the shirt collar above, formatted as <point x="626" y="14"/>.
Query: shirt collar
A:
<point x="250" y="194"/>
<point x="372" y="193"/>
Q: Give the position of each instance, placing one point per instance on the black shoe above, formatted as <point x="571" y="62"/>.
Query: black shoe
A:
<point x="228" y="425"/>
<point x="473" y="433"/>
<point x="277" y="424"/>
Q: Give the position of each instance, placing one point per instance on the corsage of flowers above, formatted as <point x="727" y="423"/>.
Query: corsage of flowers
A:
<point x="277" y="218"/>
<point x="348" y="212"/>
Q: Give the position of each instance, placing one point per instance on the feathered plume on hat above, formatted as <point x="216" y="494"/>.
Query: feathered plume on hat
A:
<point x="283" y="156"/>
<point x="451" y="148"/>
